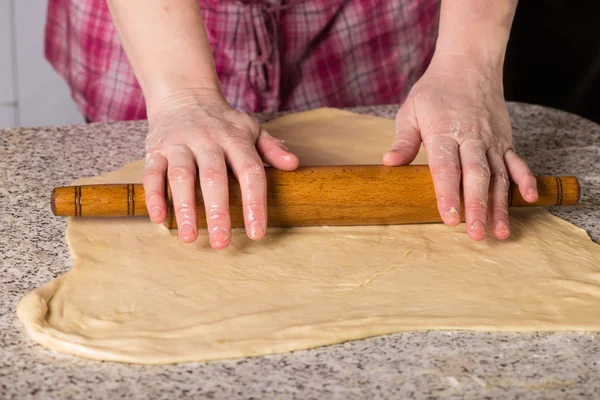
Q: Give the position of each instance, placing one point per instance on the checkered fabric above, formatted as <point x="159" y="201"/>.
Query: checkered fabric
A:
<point x="270" y="55"/>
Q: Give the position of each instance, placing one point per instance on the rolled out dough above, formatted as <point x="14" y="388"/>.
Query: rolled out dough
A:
<point x="136" y="294"/>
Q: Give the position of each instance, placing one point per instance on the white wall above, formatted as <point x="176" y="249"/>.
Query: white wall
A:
<point x="31" y="92"/>
<point x="7" y="93"/>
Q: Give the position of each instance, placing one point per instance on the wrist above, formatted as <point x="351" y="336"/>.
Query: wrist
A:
<point x="476" y="30"/>
<point x="475" y="52"/>
<point x="202" y="96"/>
<point x="467" y="66"/>
<point x="163" y="90"/>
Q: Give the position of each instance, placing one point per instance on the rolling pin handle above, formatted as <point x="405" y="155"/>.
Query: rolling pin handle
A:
<point x="53" y="201"/>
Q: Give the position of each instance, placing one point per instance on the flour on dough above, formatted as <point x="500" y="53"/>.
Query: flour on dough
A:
<point x="136" y="294"/>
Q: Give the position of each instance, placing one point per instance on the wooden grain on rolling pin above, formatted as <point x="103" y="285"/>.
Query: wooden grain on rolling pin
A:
<point x="309" y="196"/>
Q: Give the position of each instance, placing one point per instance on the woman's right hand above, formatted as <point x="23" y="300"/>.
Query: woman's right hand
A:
<point x="194" y="134"/>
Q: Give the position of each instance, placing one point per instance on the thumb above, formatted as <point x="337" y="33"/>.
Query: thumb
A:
<point x="408" y="139"/>
<point x="274" y="152"/>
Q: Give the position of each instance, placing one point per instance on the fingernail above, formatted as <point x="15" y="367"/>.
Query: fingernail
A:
<point x="218" y="236"/>
<point x="452" y="217"/>
<point x="502" y="228"/>
<point x="155" y="213"/>
<point x="256" y="230"/>
<point x="478" y="227"/>
<point x="186" y="231"/>
<point x="532" y="193"/>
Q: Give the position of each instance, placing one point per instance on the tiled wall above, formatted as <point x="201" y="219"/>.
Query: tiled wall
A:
<point x="31" y="93"/>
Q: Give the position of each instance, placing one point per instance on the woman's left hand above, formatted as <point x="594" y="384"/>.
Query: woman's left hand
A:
<point x="457" y="109"/>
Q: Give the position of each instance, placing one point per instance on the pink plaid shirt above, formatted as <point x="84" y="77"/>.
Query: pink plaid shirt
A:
<point x="270" y="55"/>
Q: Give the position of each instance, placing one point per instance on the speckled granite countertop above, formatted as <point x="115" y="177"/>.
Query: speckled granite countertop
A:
<point x="407" y="365"/>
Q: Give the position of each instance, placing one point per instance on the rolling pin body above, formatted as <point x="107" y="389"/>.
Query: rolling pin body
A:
<point x="309" y="196"/>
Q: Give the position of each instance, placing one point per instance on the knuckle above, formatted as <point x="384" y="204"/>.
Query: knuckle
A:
<point x="153" y="148"/>
<point x="247" y="122"/>
<point x="152" y="174"/>
<point x="439" y="130"/>
<point x="495" y="157"/>
<point x="499" y="203"/>
<point x="209" y="156"/>
<point x="403" y="142"/>
<point x="178" y="147"/>
<point x="448" y="198"/>
<point x="479" y="118"/>
<point x="476" y="206"/>
<point x="444" y="147"/>
<point x="153" y="197"/>
<point x="155" y="144"/>
<point x="478" y="169"/>
<point x="206" y="145"/>
<point x="184" y="210"/>
<point x="439" y="140"/>
<point x="243" y="132"/>
<point x="499" y="193"/>
<point x="213" y="176"/>
<point x="485" y="127"/>
<point x="500" y="212"/>
<point x="215" y="214"/>
<point x="205" y="137"/>
<point x="253" y="123"/>
<point x="255" y="208"/>
<point x="253" y="172"/>
<point x="181" y="174"/>
<point x="499" y="180"/>
<point x="445" y="166"/>
<point x="248" y="148"/>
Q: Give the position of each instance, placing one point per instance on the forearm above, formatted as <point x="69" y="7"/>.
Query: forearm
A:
<point x="478" y="29"/>
<point x="166" y="44"/>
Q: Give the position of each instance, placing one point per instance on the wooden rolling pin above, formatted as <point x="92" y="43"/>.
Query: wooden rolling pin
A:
<point x="344" y="195"/>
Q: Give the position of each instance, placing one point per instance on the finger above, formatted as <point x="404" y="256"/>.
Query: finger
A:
<point x="444" y="163"/>
<point x="213" y="182"/>
<point x="498" y="194"/>
<point x="476" y="181"/>
<point x="522" y="176"/>
<point x="182" y="179"/>
<point x="248" y="168"/>
<point x="274" y="152"/>
<point x="155" y="170"/>
<point x="407" y="141"/>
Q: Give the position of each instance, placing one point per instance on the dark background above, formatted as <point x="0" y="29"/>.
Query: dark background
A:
<point x="553" y="56"/>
